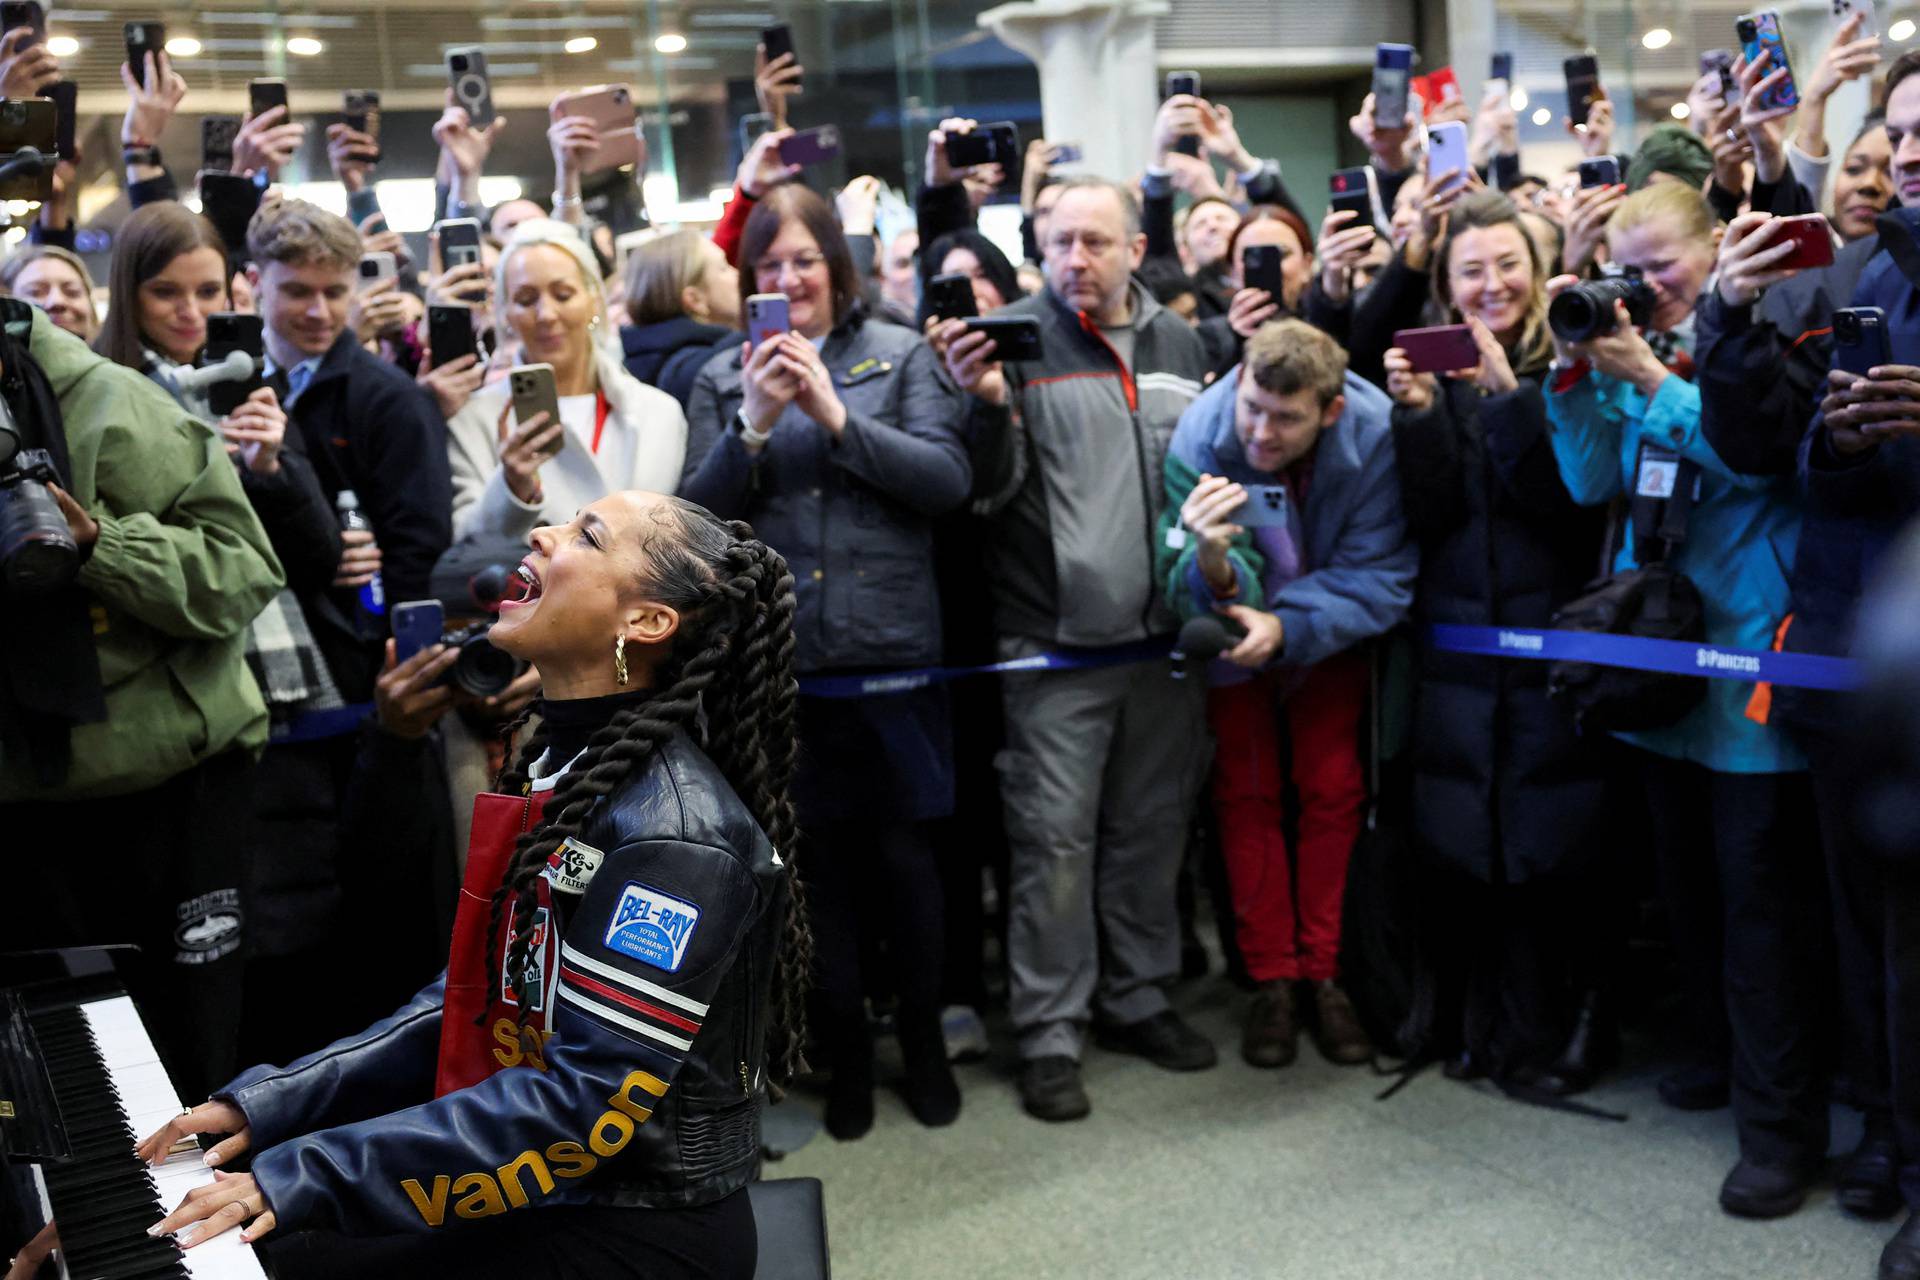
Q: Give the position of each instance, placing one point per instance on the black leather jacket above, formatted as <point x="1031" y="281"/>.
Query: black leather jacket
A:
<point x="652" y="1084"/>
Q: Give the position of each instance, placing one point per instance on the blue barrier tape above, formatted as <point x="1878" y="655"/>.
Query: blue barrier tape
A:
<point x="312" y="726"/>
<point x="1680" y="657"/>
<point x="884" y="682"/>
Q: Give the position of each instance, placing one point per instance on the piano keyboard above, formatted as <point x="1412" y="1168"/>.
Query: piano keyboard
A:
<point x="114" y="1092"/>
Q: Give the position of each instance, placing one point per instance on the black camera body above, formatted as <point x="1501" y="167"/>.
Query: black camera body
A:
<point x="1586" y="310"/>
<point x="481" y="670"/>
<point x="37" y="550"/>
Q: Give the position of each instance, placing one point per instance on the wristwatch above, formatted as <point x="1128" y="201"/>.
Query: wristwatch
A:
<point x="140" y="153"/>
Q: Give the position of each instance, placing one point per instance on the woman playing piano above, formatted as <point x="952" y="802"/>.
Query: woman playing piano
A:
<point x="579" y="1093"/>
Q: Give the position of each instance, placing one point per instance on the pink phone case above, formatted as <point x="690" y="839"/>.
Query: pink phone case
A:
<point x="1442" y="349"/>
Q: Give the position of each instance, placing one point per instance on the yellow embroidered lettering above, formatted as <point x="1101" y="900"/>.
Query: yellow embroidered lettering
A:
<point x="508" y="1054"/>
<point x="480" y="1196"/>
<point x="622" y="1128"/>
<point x="510" y="1177"/>
<point x="433" y="1208"/>
<point x="570" y="1160"/>
<point x="638" y="1082"/>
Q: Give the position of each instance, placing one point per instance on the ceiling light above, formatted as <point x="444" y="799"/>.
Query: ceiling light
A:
<point x="1680" y="111"/>
<point x="1656" y="38"/>
<point x="62" y="46"/>
<point x="1901" y="30"/>
<point x="1543" y="116"/>
<point x="304" y="46"/>
<point x="582" y="44"/>
<point x="1519" y="99"/>
<point x="670" y="43"/>
<point x="183" y="47"/>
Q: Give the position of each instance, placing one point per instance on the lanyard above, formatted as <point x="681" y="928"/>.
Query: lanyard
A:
<point x="600" y="411"/>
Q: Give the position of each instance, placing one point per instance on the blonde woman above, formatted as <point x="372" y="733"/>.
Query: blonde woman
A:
<point x="56" y="281"/>
<point x="614" y="432"/>
<point x="683" y="304"/>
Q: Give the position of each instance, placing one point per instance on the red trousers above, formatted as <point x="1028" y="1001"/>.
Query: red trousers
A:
<point x="1287" y="902"/>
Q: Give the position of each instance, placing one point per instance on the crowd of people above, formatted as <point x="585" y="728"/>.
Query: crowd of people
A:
<point x="275" y="800"/>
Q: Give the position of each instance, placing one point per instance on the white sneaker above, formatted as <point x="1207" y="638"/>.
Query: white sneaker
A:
<point x="965" y="1034"/>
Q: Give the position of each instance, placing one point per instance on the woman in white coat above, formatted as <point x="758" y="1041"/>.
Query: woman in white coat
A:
<point x="614" y="433"/>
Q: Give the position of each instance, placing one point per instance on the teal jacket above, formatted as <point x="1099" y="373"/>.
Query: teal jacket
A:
<point x="1740" y="542"/>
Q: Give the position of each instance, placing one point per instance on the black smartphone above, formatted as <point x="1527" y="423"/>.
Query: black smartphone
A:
<point x="778" y="40"/>
<point x="1014" y="337"/>
<point x="1260" y="269"/>
<point x="752" y="125"/>
<point x="1353" y="190"/>
<point x="950" y="297"/>
<point x="997" y="143"/>
<point x="450" y="334"/>
<point x="143" y="38"/>
<point x="1187" y="82"/>
<point x="1860" y="339"/>
<point x="459" y="241"/>
<point x="64" y="94"/>
<point x="228" y="332"/>
<point x="417" y="625"/>
<point x="216" y="142"/>
<point x="1392" y="78"/>
<point x="361" y="109"/>
<point x="472" y="88"/>
<point x="1502" y="68"/>
<point x="1583" y="85"/>
<point x="24" y="13"/>
<point x="264" y="95"/>
<point x="229" y="202"/>
<point x="1600" y="171"/>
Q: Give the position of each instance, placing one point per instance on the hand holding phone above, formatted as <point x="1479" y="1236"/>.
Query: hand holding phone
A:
<point x="950" y="297"/>
<point x="417" y="625"/>
<point x="1446" y="348"/>
<point x="1582" y="73"/>
<point x="1392" y="78"/>
<point x="1447" y="153"/>
<point x="767" y="317"/>
<point x="1860" y="340"/>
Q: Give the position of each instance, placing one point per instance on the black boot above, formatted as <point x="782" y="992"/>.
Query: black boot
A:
<point x="1592" y="1048"/>
<point x="850" y="1094"/>
<point x="1867" y="1184"/>
<point x="1900" y="1260"/>
<point x="930" y="1090"/>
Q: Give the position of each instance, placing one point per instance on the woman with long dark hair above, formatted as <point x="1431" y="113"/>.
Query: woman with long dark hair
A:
<point x="627" y="972"/>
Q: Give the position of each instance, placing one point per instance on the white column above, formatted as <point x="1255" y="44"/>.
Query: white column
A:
<point x="1098" y="77"/>
<point x="1470" y="35"/>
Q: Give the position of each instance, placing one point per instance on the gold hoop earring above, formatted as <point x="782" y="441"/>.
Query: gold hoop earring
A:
<point x="620" y="659"/>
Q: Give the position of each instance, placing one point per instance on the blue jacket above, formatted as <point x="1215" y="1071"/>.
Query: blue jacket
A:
<point x="1360" y="564"/>
<point x="1740" y="542"/>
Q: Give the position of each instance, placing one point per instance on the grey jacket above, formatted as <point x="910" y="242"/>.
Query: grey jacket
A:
<point x="1069" y="474"/>
<point x="855" y="518"/>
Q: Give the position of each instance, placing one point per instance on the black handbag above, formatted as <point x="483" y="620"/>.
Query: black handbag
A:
<point x="1656" y="601"/>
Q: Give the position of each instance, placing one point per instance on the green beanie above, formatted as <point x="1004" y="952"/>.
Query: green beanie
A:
<point x="1674" y="149"/>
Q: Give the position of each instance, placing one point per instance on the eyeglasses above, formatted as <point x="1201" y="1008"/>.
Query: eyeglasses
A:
<point x="801" y="264"/>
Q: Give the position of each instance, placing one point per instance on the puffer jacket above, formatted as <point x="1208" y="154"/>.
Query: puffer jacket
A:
<point x="1070" y="474"/>
<point x="648" y="1090"/>
<point x="854" y="518"/>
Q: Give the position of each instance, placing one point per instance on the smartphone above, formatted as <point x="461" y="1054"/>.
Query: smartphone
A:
<point x="610" y="108"/>
<point x="1844" y="9"/>
<point x="1442" y="87"/>
<point x="811" y="146"/>
<point x="1600" y="171"/>
<point x="459" y="241"/>
<point x="64" y="95"/>
<point x="1759" y="32"/>
<point x="361" y="109"/>
<point x="1441" y="349"/>
<point x="450" y="333"/>
<point x="996" y="143"/>
<point x="417" y="625"/>
<point x="1260" y="269"/>
<point x="1447" y="152"/>
<point x="1067" y="153"/>
<point x="216" y="142"/>
<point x="228" y="332"/>
<point x="534" y="391"/>
<point x="950" y="297"/>
<point x="467" y="72"/>
<point x="1502" y="69"/>
<point x="766" y="317"/>
<point x="143" y="38"/>
<point x="1392" y="73"/>
<point x="264" y="95"/>
<point x="752" y="125"/>
<point x="778" y="40"/>
<point x="1014" y="337"/>
<point x="1583" y="85"/>
<point x="1187" y="82"/>
<point x="1265" y="507"/>
<point x="377" y="266"/>
<point x="1812" y="238"/>
<point x="24" y="13"/>
<point x="1719" y="62"/>
<point x="1860" y="339"/>
<point x="28" y="122"/>
<point x="1357" y="191"/>
<point x="229" y="202"/>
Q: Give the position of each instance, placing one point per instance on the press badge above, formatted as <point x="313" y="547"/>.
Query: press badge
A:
<point x="1658" y="476"/>
<point x="652" y="927"/>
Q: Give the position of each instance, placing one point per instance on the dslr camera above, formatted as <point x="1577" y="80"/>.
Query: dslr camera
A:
<point x="37" y="551"/>
<point x="1586" y="310"/>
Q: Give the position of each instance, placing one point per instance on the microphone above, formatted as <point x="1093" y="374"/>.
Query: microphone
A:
<point x="475" y="574"/>
<point x="1202" y="638"/>
<point x="236" y="367"/>
<point x="26" y="162"/>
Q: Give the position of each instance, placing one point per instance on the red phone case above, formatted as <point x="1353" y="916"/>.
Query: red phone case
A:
<point x="1812" y="239"/>
<point x="1441" y="349"/>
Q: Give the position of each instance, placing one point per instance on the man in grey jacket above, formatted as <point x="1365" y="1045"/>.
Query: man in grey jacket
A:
<point x="1102" y="763"/>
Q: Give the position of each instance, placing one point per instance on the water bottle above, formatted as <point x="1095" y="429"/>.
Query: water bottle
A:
<point x="373" y="597"/>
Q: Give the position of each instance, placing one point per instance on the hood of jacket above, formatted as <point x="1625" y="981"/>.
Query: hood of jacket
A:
<point x="662" y="339"/>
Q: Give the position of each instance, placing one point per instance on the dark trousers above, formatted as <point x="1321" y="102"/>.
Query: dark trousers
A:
<point x="1740" y="870"/>
<point x="1901" y="881"/>
<point x="868" y="888"/>
<point x="166" y="870"/>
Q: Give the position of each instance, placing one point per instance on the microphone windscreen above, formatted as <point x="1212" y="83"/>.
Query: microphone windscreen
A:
<point x="1204" y="637"/>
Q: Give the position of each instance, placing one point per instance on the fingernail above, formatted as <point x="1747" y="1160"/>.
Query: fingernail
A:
<point x="185" y="1238"/>
<point x="213" y="1157"/>
<point x="154" y="1230"/>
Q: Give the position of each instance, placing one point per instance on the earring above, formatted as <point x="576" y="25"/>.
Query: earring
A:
<point x="593" y="322"/>
<point x="620" y="659"/>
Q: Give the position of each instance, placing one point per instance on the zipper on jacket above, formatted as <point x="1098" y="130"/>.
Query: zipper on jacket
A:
<point x="1132" y="391"/>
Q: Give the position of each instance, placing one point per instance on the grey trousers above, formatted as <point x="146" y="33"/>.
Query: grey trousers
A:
<point x="1099" y="777"/>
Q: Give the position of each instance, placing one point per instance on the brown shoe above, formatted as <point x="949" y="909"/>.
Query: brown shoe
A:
<point x="1337" y="1029"/>
<point x="1269" y="1038"/>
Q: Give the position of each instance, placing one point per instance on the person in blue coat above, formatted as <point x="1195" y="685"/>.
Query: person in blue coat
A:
<point x="1283" y="514"/>
<point x="1731" y="807"/>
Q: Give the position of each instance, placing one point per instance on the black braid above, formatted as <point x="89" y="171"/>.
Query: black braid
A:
<point x="731" y="674"/>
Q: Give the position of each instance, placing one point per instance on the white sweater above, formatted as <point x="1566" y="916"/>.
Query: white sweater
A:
<point x="643" y="447"/>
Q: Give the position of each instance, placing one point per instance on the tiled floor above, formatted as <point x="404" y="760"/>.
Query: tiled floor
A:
<point x="1301" y="1173"/>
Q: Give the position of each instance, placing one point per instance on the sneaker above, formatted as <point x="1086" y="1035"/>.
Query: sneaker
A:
<point x="1269" y="1040"/>
<point x="1336" y="1027"/>
<point x="1164" y="1040"/>
<point x="965" y="1034"/>
<point x="1050" y="1088"/>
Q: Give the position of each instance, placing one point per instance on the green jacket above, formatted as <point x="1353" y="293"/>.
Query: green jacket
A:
<point x="181" y="568"/>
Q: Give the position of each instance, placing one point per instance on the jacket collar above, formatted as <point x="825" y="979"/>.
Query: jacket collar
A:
<point x="1144" y="309"/>
<point x="336" y="363"/>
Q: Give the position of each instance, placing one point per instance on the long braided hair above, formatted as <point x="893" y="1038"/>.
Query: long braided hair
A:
<point x="729" y="676"/>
